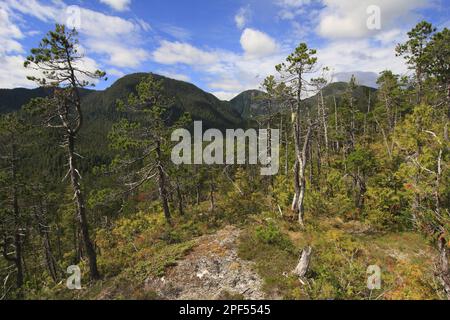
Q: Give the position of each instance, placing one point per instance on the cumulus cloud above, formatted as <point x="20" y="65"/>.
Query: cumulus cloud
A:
<point x="363" y="56"/>
<point x="242" y="17"/>
<point x="226" y="73"/>
<point x="118" y="5"/>
<point x="9" y="34"/>
<point x="179" y="52"/>
<point x="348" y="18"/>
<point x="174" y="75"/>
<point x="114" y="41"/>
<point x="35" y="8"/>
<point x="119" y="56"/>
<point x="257" y="44"/>
<point x="289" y="9"/>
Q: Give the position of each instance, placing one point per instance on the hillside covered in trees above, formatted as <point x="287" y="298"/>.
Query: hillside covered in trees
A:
<point x="87" y="181"/>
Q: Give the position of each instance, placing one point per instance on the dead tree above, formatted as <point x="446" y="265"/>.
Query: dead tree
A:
<point x="303" y="265"/>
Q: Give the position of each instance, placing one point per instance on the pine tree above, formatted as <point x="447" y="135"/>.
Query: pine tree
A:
<point x="301" y="62"/>
<point x="414" y="52"/>
<point x="12" y="141"/>
<point x="58" y="60"/>
<point x="143" y="142"/>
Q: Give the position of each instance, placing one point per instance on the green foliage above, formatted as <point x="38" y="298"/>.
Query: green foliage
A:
<point x="361" y="161"/>
<point x="273" y="271"/>
<point x="337" y="272"/>
<point x="271" y="234"/>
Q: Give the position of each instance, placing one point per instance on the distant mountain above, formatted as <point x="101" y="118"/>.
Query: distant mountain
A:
<point x="101" y="111"/>
<point x="100" y="105"/>
<point x="338" y="89"/>
<point x="248" y="104"/>
<point x="13" y="99"/>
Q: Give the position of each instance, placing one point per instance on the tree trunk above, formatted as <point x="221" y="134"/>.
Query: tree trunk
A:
<point x="324" y="121"/>
<point x="180" y="198"/>
<point x="16" y="213"/>
<point x="50" y="260"/>
<point x="81" y="209"/>
<point x="211" y="197"/>
<point x="162" y="185"/>
<point x="444" y="274"/>
<point x="296" y="186"/>
<point x="336" y="123"/>
<point x="302" y="160"/>
<point x="286" y="152"/>
<point x="303" y="264"/>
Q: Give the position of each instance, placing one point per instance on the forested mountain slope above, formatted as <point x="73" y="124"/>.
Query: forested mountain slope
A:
<point x="101" y="105"/>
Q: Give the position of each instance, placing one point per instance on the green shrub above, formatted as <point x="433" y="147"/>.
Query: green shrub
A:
<point x="272" y="235"/>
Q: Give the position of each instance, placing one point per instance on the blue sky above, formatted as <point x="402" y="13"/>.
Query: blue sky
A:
<point x="222" y="46"/>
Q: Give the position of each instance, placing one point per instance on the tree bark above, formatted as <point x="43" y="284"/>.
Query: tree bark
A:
<point x="324" y="121"/>
<point x="211" y="197"/>
<point x="81" y="208"/>
<point x="180" y="199"/>
<point x="302" y="160"/>
<point x="50" y="260"/>
<point x="336" y="123"/>
<point x="162" y="185"/>
<point x="303" y="265"/>
<point x="444" y="274"/>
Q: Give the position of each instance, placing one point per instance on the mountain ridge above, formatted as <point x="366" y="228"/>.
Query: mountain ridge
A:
<point x="189" y="98"/>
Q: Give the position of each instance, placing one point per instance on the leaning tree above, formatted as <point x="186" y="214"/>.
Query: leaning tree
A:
<point x="59" y="66"/>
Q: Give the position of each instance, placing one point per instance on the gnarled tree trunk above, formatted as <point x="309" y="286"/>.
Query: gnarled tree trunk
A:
<point x="81" y="208"/>
<point x="303" y="265"/>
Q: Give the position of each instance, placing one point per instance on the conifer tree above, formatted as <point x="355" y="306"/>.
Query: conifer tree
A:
<point x="59" y="63"/>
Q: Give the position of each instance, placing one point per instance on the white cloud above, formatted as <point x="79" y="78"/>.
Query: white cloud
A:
<point x="242" y="17"/>
<point x="118" y="5"/>
<point x="225" y="73"/>
<point x="179" y="52"/>
<point x="36" y="9"/>
<point x="293" y="3"/>
<point x="114" y="41"/>
<point x="115" y="72"/>
<point x="174" y="75"/>
<point x="291" y="8"/>
<point x="176" y="32"/>
<point x="223" y="95"/>
<point x="97" y="25"/>
<point x="348" y="18"/>
<point x="13" y="73"/>
<point x="9" y="34"/>
<point x="227" y="84"/>
<point x="257" y="44"/>
<point x="360" y="55"/>
<point x="117" y="54"/>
